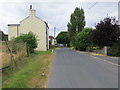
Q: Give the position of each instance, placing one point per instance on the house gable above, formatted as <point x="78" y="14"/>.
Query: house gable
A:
<point x="34" y="24"/>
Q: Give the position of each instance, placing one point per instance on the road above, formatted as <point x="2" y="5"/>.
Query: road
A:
<point x="72" y="69"/>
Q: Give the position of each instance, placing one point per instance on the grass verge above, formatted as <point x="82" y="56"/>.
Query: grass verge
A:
<point x="29" y="75"/>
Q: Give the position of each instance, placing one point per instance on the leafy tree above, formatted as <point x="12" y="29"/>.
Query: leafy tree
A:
<point x="82" y="39"/>
<point x="77" y="23"/>
<point x="63" y="38"/>
<point x="3" y="36"/>
<point x="30" y="39"/>
<point x="106" y="33"/>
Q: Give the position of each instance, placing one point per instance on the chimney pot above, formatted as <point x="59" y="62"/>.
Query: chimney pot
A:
<point x="30" y="6"/>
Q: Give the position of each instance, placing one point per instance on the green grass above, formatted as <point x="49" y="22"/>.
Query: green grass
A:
<point x="21" y="77"/>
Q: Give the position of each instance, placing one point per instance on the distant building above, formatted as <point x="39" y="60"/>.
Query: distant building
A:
<point x="52" y="40"/>
<point x="34" y="24"/>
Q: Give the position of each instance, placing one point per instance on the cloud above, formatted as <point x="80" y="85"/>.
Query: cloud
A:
<point x="57" y="14"/>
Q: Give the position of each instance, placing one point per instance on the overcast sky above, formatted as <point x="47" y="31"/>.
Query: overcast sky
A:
<point x="56" y="14"/>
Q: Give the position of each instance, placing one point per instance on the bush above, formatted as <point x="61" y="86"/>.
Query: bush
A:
<point x="106" y="33"/>
<point x="82" y="41"/>
<point x="116" y="49"/>
<point x="30" y="39"/>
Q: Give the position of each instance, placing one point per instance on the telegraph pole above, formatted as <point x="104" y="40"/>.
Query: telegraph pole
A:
<point x="119" y="12"/>
<point x="54" y="34"/>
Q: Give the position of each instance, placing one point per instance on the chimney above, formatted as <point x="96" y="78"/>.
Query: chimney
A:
<point x="32" y="12"/>
<point x="30" y="6"/>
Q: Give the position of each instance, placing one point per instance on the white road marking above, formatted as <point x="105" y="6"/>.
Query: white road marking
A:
<point x="105" y="60"/>
<point x="99" y="58"/>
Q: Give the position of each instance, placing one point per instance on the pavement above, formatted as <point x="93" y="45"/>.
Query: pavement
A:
<point x="72" y="69"/>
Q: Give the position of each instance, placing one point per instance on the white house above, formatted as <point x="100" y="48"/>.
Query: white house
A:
<point x="52" y="40"/>
<point x="34" y="24"/>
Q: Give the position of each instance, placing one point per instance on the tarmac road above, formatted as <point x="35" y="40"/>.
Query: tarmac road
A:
<point x="72" y="69"/>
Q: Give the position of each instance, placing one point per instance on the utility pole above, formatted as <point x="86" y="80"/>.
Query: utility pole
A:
<point x="119" y="12"/>
<point x="54" y="34"/>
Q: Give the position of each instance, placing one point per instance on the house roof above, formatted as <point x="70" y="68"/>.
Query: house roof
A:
<point x="43" y="21"/>
<point x="13" y="24"/>
<point x="28" y="17"/>
<point x="38" y="18"/>
<point x="51" y="37"/>
<point x="24" y="19"/>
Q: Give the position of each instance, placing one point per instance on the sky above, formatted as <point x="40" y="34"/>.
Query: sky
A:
<point x="56" y="14"/>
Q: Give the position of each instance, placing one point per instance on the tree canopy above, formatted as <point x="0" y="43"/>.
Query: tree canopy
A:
<point x="63" y="38"/>
<point x="76" y="24"/>
<point x="106" y="33"/>
<point x="77" y="20"/>
<point x="82" y="39"/>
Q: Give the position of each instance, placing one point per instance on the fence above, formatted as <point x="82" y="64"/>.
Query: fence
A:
<point x="11" y="52"/>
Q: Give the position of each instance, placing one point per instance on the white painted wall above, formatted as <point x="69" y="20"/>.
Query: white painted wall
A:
<point x="53" y="42"/>
<point x="34" y="24"/>
<point x="38" y="27"/>
<point x="12" y="32"/>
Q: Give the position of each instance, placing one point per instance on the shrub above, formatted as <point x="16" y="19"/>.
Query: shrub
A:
<point x="82" y="39"/>
<point x="106" y="33"/>
<point x="30" y="39"/>
<point x="116" y="49"/>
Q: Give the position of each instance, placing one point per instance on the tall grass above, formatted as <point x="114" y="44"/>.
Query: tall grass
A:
<point x="18" y="51"/>
<point x="28" y="75"/>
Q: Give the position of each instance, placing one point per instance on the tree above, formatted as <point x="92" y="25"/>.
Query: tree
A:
<point x="77" y="23"/>
<point x="82" y="39"/>
<point x="106" y="33"/>
<point x="63" y="38"/>
<point x="3" y="36"/>
<point x="30" y="39"/>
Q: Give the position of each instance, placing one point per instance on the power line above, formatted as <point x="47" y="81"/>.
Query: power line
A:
<point x="93" y="5"/>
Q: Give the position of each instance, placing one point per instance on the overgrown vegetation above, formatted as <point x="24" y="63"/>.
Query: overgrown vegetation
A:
<point x="26" y="71"/>
<point x="82" y="39"/>
<point x="106" y="33"/>
<point x="30" y="39"/>
<point x="17" y="51"/>
<point x="116" y="49"/>
<point x="29" y="72"/>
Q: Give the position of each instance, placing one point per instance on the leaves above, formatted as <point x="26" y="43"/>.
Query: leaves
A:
<point x="30" y="39"/>
<point x="82" y="39"/>
<point x="77" y="22"/>
<point x="106" y="32"/>
<point x="63" y="38"/>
